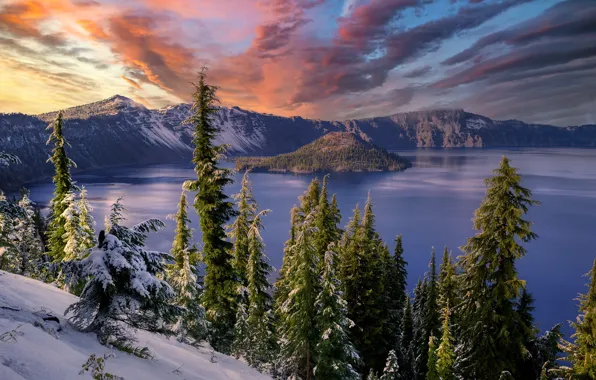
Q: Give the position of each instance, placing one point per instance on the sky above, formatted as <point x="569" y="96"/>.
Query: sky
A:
<point x="326" y="59"/>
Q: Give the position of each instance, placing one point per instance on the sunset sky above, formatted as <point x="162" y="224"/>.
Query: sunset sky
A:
<point x="328" y="59"/>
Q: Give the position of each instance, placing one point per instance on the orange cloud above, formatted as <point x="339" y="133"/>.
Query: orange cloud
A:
<point x="94" y="29"/>
<point x="131" y="82"/>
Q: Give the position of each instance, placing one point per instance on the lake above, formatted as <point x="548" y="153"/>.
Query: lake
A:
<point x="431" y="204"/>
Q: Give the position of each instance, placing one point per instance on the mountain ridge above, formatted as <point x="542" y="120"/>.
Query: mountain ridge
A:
<point x="120" y="131"/>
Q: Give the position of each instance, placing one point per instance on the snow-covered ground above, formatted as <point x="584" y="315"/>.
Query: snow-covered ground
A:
<point x="40" y="353"/>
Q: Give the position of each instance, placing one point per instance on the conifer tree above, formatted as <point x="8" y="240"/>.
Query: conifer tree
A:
<point x="73" y="233"/>
<point x="336" y="355"/>
<point x="242" y="341"/>
<point x="432" y="372"/>
<point x="447" y="282"/>
<point x="582" y="352"/>
<point x="362" y="276"/>
<point x="372" y="375"/>
<point x="87" y="224"/>
<point x="261" y="335"/>
<point x="391" y="371"/>
<point x="214" y="210"/>
<point x="123" y="286"/>
<point x="445" y="351"/>
<point x="298" y="332"/>
<point x="327" y="219"/>
<point x="419" y="341"/>
<point x="63" y="185"/>
<point x="406" y="357"/>
<point x="491" y="343"/>
<point x="246" y="207"/>
<point x="192" y="326"/>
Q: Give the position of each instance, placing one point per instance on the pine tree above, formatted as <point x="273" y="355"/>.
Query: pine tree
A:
<point x="419" y="341"/>
<point x="406" y="357"/>
<point x="242" y="341"/>
<point x="336" y="355"/>
<point x="192" y="326"/>
<point x="214" y="210"/>
<point x="327" y="219"/>
<point x="445" y="351"/>
<point x="123" y="286"/>
<point x="372" y="375"/>
<point x="73" y="233"/>
<point x="489" y="284"/>
<point x="432" y="372"/>
<point x="298" y="332"/>
<point x="447" y="282"/>
<point x="247" y="207"/>
<point x="582" y="352"/>
<point x="261" y="335"/>
<point x="63" y="185"/>
<point x="391" y="371"/>
<point x="87" y="224"/>
<point x="362" y="277"/>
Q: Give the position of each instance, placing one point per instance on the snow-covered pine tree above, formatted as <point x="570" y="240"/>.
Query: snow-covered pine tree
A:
<point x="336" y="356"/>
<point x="238" y="230"/>
<point x="430" y="318"/>
<point x="192" y="326"/>
<point x="327" y="220"/>
<point x="298" y="334"/>
<point x="73" y="232"/>
<point x="445" y="351"/>
<point x="490" y="341"/>
<point x="362" y="279"/>
<point x="372" y="375"/>
<point x="242" y="338"/>
<point x="123" y="287"/>
<point x="419" y="346"/>
<point x="391" y="371"/>
<point x="21" y="248"/>
<point x="261" y="333"/>
<point x="214" y="210"/>
<point x="87" y="224"/>
<point x="582" y="352"/>
<point x="63" y="185"/>
<point x="432" y="372"/>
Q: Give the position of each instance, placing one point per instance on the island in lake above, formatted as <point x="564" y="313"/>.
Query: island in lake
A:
<point x="334" y="152"/>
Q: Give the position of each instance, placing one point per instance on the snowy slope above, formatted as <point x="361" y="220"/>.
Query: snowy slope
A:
<point x="37" y="355"/>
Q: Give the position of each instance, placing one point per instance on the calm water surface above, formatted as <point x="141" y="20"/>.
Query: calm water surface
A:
<point x="430" y="204"/>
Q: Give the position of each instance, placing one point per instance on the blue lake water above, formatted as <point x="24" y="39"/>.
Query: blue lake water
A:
<point x="431" y="204"/>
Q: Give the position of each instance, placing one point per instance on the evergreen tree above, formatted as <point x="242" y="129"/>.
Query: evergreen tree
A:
<point x="362" y="277"/>
<point x="63" y="185"/>
<point x="73" y="233"/>
<point x="247" y="207"/>
<point x="419" y="341"/>
<point x="432" y="372"/>
<point x="242" y="340"/>
<point x="447" y="282"/>
<point x="261" y="335"/>
<point x="214" y="210"/>
<point x="336" y="355"/>
<point x="191" y="326"/>
<point x="87" y="224"/>
<point x="123" y="285"/>
<point x="582" y="352"/>
<point x="406" y="357"/>
<point x="489" y="284"/>
<point x="372" y="375"/>
<point x="391" y="371"/>
<point x="327" y="219"/>
<point x="298" y="332"/>
<point x="445" y="351"/>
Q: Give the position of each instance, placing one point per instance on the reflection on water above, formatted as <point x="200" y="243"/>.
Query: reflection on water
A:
<point x="431" y="204"/>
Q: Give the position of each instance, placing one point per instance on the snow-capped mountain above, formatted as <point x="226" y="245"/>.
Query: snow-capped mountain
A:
<point x="119" y="131"/>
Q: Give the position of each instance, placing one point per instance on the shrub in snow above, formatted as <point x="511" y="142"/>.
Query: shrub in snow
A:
<point x="123" y="286"/>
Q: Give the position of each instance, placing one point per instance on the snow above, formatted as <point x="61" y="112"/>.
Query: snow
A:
<point x="41" y="353"/>
<point x="476" y="124"/>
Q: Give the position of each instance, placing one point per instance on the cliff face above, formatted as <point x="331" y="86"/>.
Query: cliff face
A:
<point x="118" y="131"/>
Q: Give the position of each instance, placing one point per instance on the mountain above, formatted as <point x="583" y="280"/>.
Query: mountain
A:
<point x="334" y="152"/>
<point x="119" y="131"/>
<point x="45" y="347"/>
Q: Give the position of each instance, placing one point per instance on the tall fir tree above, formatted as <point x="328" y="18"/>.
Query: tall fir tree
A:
<point x="298" y="334"/>
<point x="445" y="351"/>
<point x="214" y="210"/>
<point x="419" y="341"/>
<point x="63" y="184"/>
<point x="239" y="229"/>
<point x="491" y="343"/>
<point x="327" y="219"/>
<point x="406" y="353"/>
<point x="336" y="356"/>
<point x="582" y="352"/>
<point x="192" y="326"/>
<point x="86" y="222"/>
<point x="432" y="372"/>
<point x="260" y="323"/>
<point x="362" y="278"/>
<point x="391" y="371"/>
<point x="447" y="282"/>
